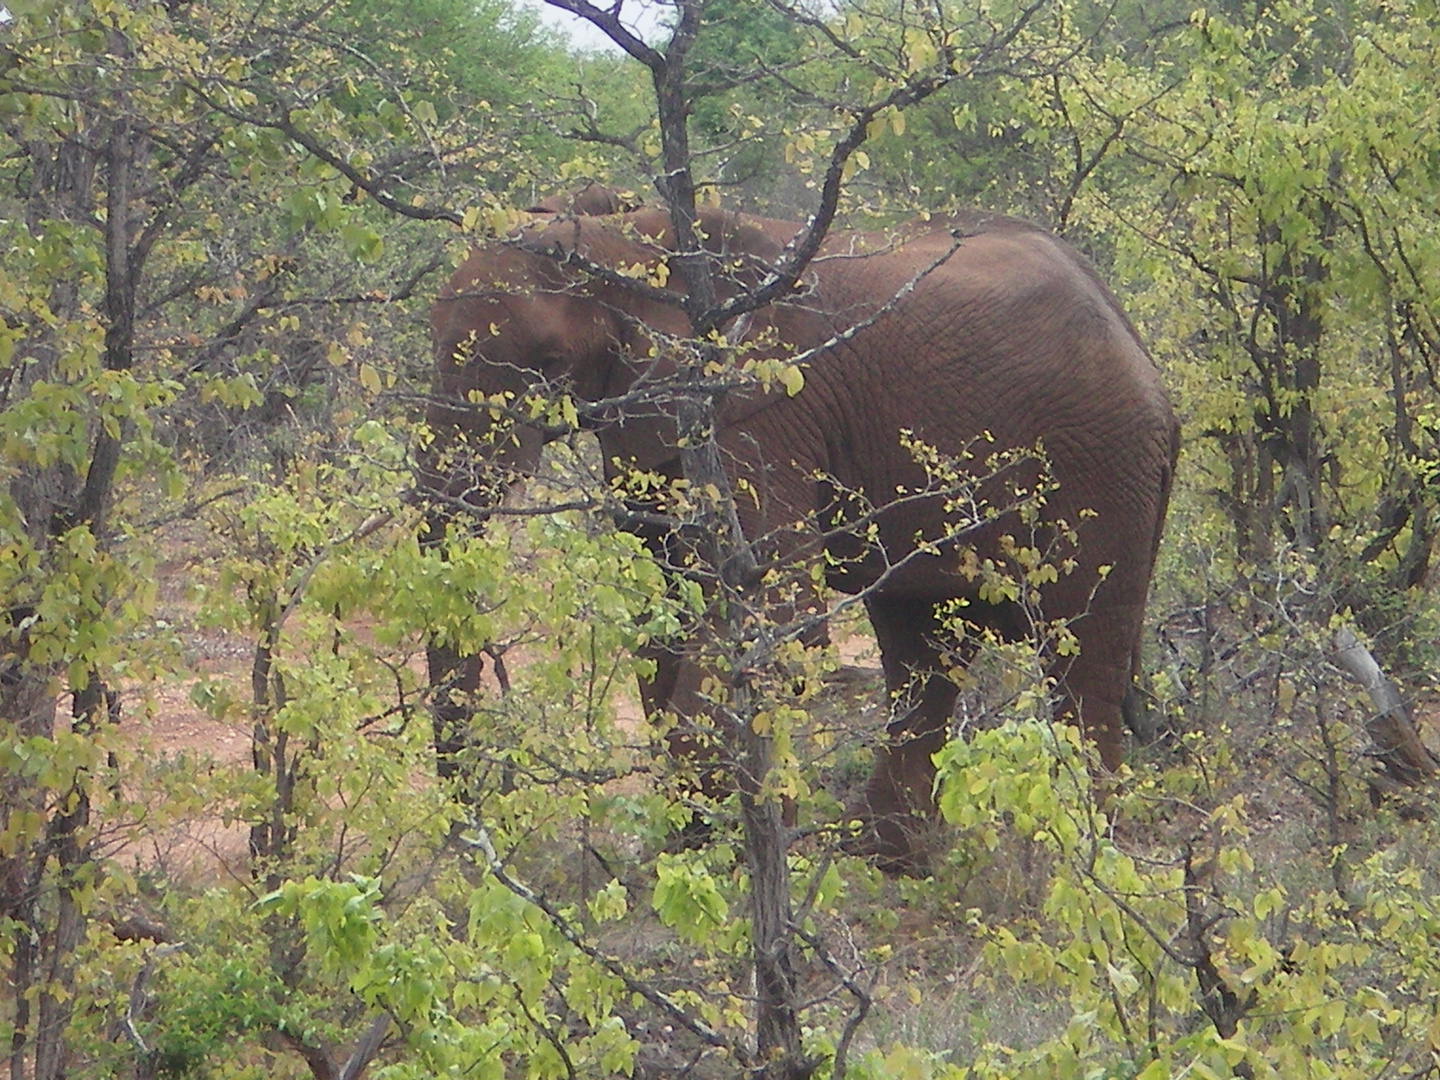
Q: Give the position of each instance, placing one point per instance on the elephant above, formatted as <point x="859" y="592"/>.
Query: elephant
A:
<point x="951" y="330"/>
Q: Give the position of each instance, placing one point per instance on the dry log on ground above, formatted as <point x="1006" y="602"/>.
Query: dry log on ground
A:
<point x="1395" y="741"/>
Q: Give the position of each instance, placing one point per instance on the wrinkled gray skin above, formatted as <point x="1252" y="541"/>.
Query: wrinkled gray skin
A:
<point x="1010" y="333"/>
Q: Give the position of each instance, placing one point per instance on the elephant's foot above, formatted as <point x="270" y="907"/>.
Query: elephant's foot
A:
<point x="898" y="842"/>
<point x="899" y="829"/>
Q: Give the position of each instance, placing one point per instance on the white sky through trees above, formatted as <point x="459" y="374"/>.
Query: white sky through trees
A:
<point x="645" y="17"/>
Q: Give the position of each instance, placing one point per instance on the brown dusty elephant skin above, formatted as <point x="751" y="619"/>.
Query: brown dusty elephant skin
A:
<point x="951" y="328"/>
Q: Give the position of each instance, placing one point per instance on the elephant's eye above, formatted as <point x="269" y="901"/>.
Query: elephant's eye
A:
<point x="552" y="365"/>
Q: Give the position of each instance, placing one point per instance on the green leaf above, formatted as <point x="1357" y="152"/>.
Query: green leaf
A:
<point x="687" y="898"/>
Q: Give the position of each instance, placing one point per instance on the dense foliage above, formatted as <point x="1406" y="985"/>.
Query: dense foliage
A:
<point x="221" y="224"/>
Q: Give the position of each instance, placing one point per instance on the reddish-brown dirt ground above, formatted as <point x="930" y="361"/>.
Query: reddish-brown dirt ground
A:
<point x="162" y="724"/>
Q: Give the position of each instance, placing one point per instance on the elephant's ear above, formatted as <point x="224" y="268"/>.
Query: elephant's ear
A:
<point x="592" y="200"/>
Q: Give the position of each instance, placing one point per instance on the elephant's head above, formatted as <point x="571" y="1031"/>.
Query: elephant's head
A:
<point x="529" y="311"/>
<point x="511" y="320"/>
<point x="592" y="200"/>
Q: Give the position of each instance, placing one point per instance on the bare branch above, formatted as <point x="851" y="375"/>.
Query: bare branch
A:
<point x="608" y="21"/>
<point x="366" y="1049"/>
<point x="479" y="841"/>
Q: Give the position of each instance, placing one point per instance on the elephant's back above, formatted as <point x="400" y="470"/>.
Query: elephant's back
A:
<point x="997" y="332"/>
<point x="1027" y="329"/>
<point x="1003" y="312"/>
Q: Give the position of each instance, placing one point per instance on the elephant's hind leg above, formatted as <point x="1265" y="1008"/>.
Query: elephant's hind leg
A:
<point x="898" y="808"/>
<point x="1094" y="684"/>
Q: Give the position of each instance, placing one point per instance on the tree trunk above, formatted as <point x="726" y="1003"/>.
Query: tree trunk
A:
<point x="45" y="882"/>
<point x="779" y="1050"/>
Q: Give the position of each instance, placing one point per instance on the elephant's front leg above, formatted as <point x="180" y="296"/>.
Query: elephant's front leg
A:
<point x="673" y="697"/>
<point x="454" y="679"/>
<point x="898" y="809"/>
<point x="702" y="739"/>
<point x="674" y="688"/>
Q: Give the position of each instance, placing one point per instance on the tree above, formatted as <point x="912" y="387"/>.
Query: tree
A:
<point x="1286" y="223"/>
<point x="750" y="625"/>
<point x="219" y="224"/>
<point x="131" y="131"/>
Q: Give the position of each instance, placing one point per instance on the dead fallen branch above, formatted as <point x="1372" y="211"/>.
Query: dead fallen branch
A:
<point x="1396" y="744"/>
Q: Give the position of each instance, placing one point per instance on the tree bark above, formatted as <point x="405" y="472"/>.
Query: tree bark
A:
<point x="778" y="1045"/>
